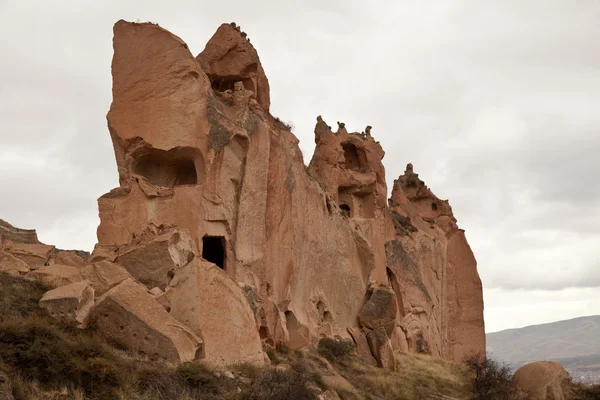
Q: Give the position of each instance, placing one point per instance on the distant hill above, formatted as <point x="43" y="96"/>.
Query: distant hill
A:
<point x="575" y="343"/>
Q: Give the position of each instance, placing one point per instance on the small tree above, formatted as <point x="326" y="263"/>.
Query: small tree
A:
<point x="492" y="379"/>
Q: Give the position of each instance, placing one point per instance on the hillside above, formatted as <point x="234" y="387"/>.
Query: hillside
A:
<point x="574" y="343"/>
<point x="47" y="359"/>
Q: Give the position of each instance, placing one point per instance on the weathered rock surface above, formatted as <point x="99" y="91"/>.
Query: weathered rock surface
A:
<point x="380" y="310"/>
<point x="104" y="275"/>
<point x="72" y="302"/>
<point x="12" y="265"/>
<point x="35" y="255"/>
<point x="228" y="58"/>
<point x="381" y="348"/>
<point x="219" y="312"/>
<point x="129" y="315"/>
<point x="362" y="346"/>
<point x="56" y="274"/>
<point x="68" y="257"/>
<point x="542" y="380"/>
<point x="9" y="233"/>
<point x="154" y="260"/>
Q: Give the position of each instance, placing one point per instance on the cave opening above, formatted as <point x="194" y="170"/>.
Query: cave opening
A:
<point x="167" y="169"/>
<point x="213" y="250"/>
<point x="434" y="206"/>
<point x="351" y="156"/>
<point x="345" y="209"/>
<point x="223" y="83"/>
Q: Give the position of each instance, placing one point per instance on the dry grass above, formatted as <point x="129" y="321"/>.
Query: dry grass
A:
<point x="416" y="377"/>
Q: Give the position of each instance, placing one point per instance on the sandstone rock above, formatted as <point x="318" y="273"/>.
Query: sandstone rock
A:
<point x="228" y="58"/>
<point x="68" y="257"/>
<point x="129" y="315"/>
<point x="104" y="275"/>
<point x="36" y="255"/>
<point x="219" y="312"/>
<point x="5" y="385"/>
<point x="198" y="152"/>
<point x="380" y="310"/>
<point x="381" y="348"/>
<point x="330" y="395"/>
<point x="155" y="260"/>
<point x="72" y="302"/>
<point x="362" y="346"/>
<point x="12" y="265"/>
<point x="11" y="234"/>
<point x="56" y="275"/>
<point x="542" y="380"/>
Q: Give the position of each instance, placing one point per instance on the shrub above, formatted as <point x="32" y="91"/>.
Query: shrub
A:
<point x="579" y="391"/>
<point x="19" y="297"/>
<point x="38" y="351"/>
<point x="279" y="383"/>
<point x="333" y="349"/>
<point x="492" y="379"/>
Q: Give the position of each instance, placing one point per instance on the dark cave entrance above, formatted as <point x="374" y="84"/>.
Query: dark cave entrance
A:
<point x="351" y="156"/>
<point x="213" y="250"/>
<point x="167" y="168"/>
<point x="345" y="209"/>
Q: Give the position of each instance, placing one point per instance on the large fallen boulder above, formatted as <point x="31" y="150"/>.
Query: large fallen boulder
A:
<point x="72" y="302"/>
<point x="155" y="260"/>
<point x="130" y="316"/>
<point x="380" y="310"/>
<point x="12" y="265"/>
<point x="104" y="275"/>
<point x="35" y="255"/>
<point x="381" y="348"/>
<point x="56" y="275"/>
<point x="206" y="299"/>
<point x="362" y="346"/>
<point x="542" y="380"/>
<point x="68" y="257"/>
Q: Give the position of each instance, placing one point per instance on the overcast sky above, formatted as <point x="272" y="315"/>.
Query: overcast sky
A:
<point x="496" y="103"/>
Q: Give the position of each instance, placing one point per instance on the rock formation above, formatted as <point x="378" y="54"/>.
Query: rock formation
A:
<point x="543" y="380"/>
<point x="218" y="226"/>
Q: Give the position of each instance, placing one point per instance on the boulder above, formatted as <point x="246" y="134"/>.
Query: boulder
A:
<point x="542" y="380"/>
<point x="104" y="275"/>
<point x="205" y="298"/>
<point x="381" y="348"/>
<point x="362" y="346"/>
<point x="130" y="316"/>
<point x="35" y="255"/>
<point x="68" y="257"/>
<point x="155" y="260"/>
<point x="12" y="265"/>
<point x="56" y="275"/>
<point x="380" y="310"/>
<point x="72" y="302"/>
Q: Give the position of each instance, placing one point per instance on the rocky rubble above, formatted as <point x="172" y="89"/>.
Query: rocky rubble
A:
<point x="219" y="244"/>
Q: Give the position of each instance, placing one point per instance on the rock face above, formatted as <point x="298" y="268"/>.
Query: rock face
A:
<point x="72" y="302"/>
<point x="23" y="245"/>
<point x="543" y="380"/>
<point x="129" y="315"/>
<point x="222" y="316"/>
<point x="242" y="245"/>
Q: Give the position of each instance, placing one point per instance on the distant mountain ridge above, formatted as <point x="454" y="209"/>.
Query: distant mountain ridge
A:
<point x="575" y="343"/>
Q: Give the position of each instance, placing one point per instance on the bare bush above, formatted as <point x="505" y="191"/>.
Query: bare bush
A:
<point x="492" y="379"/>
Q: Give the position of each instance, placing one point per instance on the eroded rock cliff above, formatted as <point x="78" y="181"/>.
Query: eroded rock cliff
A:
<point x="245" y="247"/>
